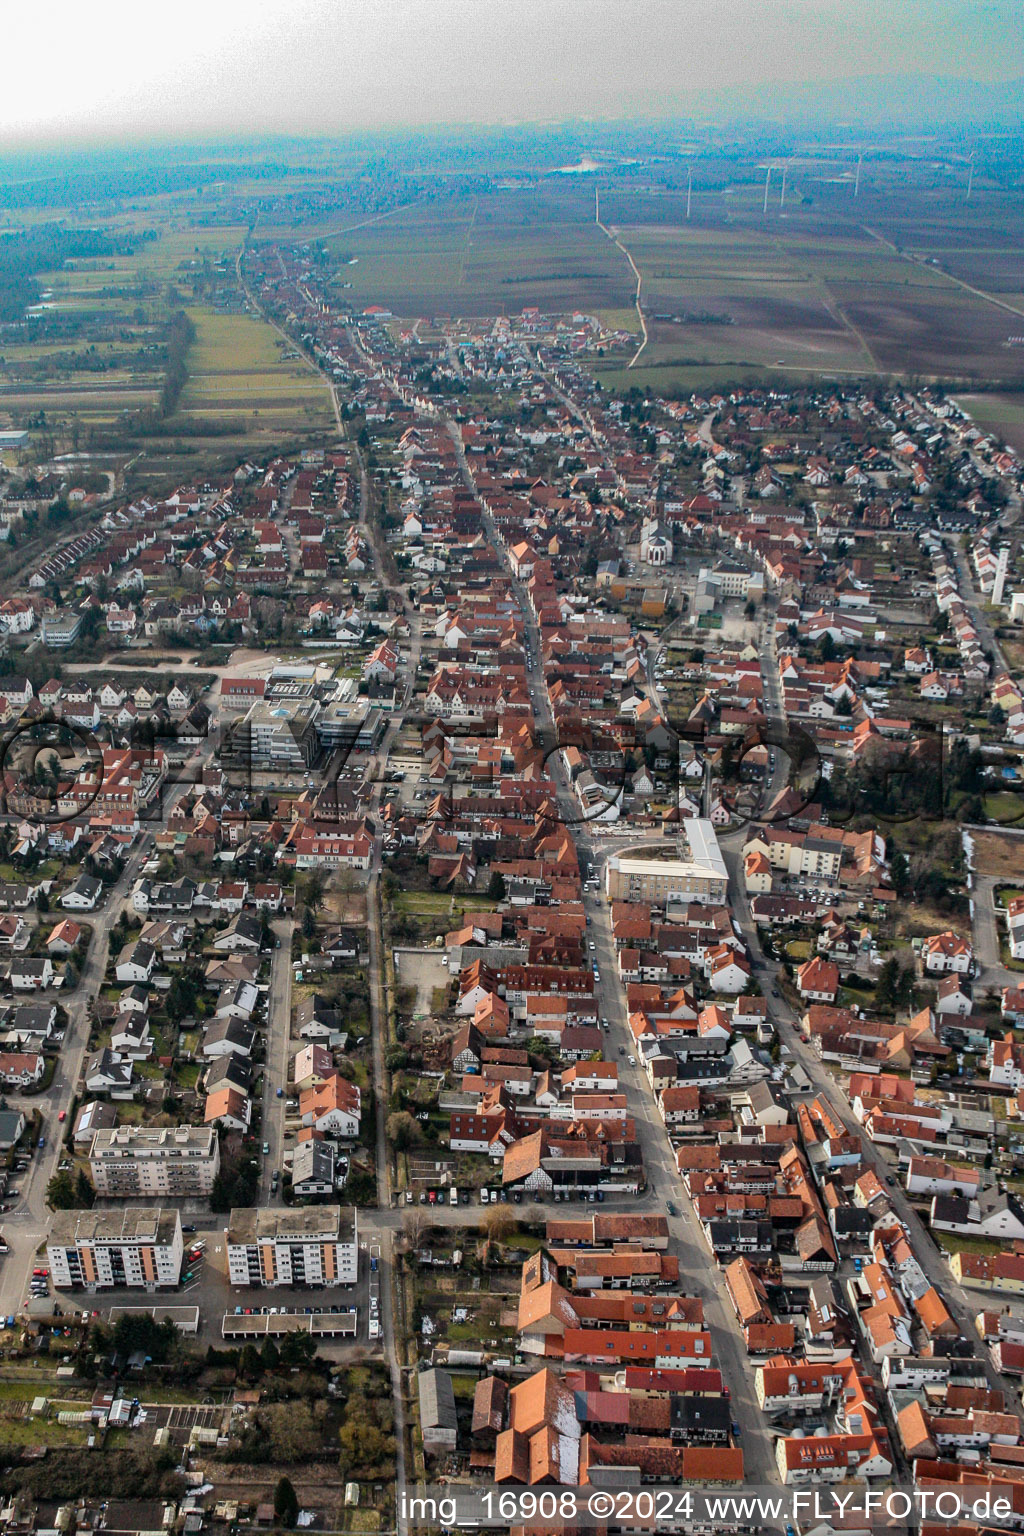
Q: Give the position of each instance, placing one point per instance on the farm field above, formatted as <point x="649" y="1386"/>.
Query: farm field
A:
<point x="825" y="283"/>
<point x="242" y="371"/>
<point x="817" y="283"/>
<point x="486" y="255"/>
<point x="999" y="413"/>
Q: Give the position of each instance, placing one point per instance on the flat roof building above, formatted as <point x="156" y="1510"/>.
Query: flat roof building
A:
<point x="308" y="1246"/>
<point x="98" y="1250"/>
<point x="278" y="736"/>
<point x="131" y="1161"/>
<point x="700" y="875"/>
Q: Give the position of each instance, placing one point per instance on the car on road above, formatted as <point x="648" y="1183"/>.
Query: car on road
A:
<point x="62" y="1116"/>
<point x="632" y="1061"/>
<point x="266" y="1149"/>
<point x="592" y="944"/>
<point x="671" y="1208"/>
<point x="42" y="1141"/>
<point x="190" y="1228"/>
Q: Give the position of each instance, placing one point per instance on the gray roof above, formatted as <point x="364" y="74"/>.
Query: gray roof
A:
<point x="313" y="1161"/>
<point x="437" y="1400"/>
<point x="11" y="1123"/>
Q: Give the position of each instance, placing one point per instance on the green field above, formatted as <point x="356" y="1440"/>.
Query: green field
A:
<point x="95" y="355"/>
<point x="733" y="291"/>
<point x="999" y="413"/>
<point x="240" y="369"/>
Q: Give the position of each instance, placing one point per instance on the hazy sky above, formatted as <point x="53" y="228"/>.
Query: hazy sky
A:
<point x="114" y="67"/>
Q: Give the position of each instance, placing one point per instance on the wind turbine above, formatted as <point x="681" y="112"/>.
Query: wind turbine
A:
<point x="970" y="176"/>
<point x="689" y="188"/>
<point x="856" y="184"/>
<point x="782" y="198"/>
<point x="767" y="179"/>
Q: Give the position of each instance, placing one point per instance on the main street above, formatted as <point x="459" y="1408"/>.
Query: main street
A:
<point x="699" y="1274"/>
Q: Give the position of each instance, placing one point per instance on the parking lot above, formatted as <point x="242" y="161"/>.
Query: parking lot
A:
<point x="424" y="969"/>
<point x="208" y="1289"/>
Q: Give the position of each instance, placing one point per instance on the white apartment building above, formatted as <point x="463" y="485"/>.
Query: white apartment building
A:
<point x="173" y="1162"/>
<point x="309" y="1246"/>
<point x="98" y="1250"/>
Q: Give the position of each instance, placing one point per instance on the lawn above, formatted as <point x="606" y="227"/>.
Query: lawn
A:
<point x="1004" y="807"/>
<point x="953" y="1242"/>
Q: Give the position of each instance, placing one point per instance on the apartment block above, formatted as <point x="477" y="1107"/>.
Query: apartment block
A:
<point x="309" y="1246"/>
<point x="699" y="876"/>
<point x="98" y="1250"/>
<point x="279" y="737"/>
<point x="173" y="1162"/>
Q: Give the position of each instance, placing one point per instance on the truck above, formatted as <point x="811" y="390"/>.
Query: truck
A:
<point x="374" y="1328"/>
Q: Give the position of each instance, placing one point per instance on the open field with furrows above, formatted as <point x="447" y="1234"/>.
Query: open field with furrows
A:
<point x="487" y="255"/>
<point x="802" y="295"/>
<point x="824" y="283"/>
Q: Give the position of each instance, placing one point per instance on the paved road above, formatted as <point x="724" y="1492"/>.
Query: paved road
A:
<point x="973" y="602"/>
<point x="785" y="1022"/>
<point x="26" y="1226"/>
<point x="985" y="933"/>
<point x="699" y="1274"/>
<point x="275" y="1072"/>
